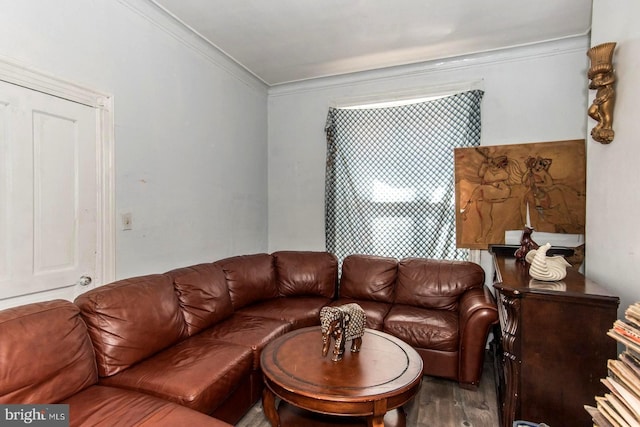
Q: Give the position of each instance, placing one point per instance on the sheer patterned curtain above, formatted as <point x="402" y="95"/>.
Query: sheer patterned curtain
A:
<point x="390" y="177"/>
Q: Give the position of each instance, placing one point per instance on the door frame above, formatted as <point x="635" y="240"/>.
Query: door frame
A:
<point x="30" y="78"/>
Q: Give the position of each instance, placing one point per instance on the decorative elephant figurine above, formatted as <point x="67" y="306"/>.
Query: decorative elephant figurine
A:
<point x="342" y="323"/>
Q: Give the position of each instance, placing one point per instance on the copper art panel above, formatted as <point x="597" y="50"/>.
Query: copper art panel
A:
<point x="506" y="187"/>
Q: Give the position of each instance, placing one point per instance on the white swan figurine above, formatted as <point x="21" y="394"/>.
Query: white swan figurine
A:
<point x="548" y="268"/>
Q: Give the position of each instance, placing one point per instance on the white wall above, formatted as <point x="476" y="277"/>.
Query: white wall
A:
<point x="190" y="126"/>
<point x="532" y="94"/>
<point x="192" y="129"/>
<point x="613" y="201"/>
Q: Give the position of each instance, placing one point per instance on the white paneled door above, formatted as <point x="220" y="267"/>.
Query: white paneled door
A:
<point x="48" y="193"/>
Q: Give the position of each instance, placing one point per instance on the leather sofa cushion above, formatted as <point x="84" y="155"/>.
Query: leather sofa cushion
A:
<point x="111" y="406"/>
<point x="300" y="273"/>
<point x="131" y="319"/>
<point x="368" y="277"/>
<point x="250" y="278"/>
<point x="424" y="328"/>
<point x="249" y="331"/>
<point x="203" y="295"/>
<point x="299" y="311"/>
<point x="375" y="311"/>
<point x="46" y="354"/>
<point x="430" y="283"/>
<point x="199" y="373"/>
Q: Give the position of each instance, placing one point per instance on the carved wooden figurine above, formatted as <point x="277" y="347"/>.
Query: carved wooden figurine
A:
<point x="342" y="323"/>
<point x="526" y="244"/>
<point x="602" y="79"/>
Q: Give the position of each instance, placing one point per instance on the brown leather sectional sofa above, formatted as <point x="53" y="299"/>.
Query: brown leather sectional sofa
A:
<point x="441" y="308"/>
<point x="187" y="342"/>
<point x="46" y="356"/>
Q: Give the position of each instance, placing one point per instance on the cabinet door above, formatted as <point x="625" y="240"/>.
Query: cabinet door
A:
<point x="565" y="348"/>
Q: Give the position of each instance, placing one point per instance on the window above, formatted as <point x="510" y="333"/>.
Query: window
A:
<point x="390" y="177"/>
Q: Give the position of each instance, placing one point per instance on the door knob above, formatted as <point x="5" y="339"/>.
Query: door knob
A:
<point x="84" y="281"/>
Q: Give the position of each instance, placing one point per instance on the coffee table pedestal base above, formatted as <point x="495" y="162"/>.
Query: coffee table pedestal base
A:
<point x="291" y="416"/>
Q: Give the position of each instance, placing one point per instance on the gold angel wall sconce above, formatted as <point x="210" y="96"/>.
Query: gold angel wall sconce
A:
<point x="602" y="79"/>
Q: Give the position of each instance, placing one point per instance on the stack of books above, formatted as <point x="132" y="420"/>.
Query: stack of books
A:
<point x="621" y="406"/>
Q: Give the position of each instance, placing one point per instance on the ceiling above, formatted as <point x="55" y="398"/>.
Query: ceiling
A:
<point x="281" y="41"/>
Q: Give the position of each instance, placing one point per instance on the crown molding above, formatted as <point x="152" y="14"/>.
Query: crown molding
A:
<point x="174" y="27"/>
<point x="511" y="54"/>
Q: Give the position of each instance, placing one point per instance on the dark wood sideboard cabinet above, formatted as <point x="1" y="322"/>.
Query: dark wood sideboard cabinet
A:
<point x="552" y="347"/>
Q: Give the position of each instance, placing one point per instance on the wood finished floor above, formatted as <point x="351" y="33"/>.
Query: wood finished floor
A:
<point x="440" y="403"/>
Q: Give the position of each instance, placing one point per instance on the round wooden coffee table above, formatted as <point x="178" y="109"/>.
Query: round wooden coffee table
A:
<point x="383" y="376"/>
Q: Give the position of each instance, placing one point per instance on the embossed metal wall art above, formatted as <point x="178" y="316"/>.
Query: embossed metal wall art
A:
<point x="602" y="78"/>
<point x="509" y="187"/>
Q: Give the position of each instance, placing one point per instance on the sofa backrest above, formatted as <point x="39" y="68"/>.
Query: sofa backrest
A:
<point x="250" y="278"/>
<point x="130" y="320"/>
<point x="300" y="273"/>
<point x="46" y="355"/>
<point x="368" y="277"/>
<point x="203" y="295"/>
<point x="430" y="283"/>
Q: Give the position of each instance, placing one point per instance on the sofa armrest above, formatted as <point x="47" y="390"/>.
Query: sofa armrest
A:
<point x="478" y="313"/>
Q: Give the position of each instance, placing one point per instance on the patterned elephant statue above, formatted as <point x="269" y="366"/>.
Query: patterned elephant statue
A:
<point x="342" y="323"/>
